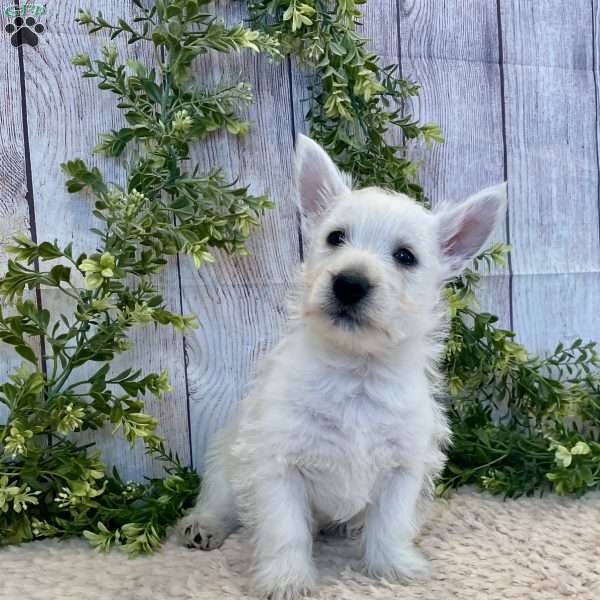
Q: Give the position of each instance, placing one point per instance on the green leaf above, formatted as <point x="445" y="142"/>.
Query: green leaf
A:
<point x="82" y="177"/>
<point x="27" y="353"/>
<point x="153" y="91"/>
<point x="60" y="274"/>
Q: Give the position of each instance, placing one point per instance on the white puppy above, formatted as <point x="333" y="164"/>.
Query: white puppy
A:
<point x="341" y="428"/>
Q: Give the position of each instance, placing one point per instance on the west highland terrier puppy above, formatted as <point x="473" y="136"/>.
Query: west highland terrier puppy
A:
<point x="342" y="428"/>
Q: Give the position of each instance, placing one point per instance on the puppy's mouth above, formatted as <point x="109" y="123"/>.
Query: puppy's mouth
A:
<point x="346" y="318"/>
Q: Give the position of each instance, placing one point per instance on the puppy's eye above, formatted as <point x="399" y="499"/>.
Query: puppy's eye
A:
<point x="336" y="238"/>
<point x="405" y="257"/>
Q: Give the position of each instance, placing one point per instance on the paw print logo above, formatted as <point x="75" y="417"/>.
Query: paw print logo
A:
<point x="24" y="31"/>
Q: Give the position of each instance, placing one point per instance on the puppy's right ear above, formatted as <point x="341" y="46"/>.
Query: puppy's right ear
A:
<point x="318" y="180"/>
<point x="465" y="227"/>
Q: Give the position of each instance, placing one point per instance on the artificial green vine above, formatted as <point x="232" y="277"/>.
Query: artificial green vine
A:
<point x="354" y="100"/>
<point x="520" y="423"/>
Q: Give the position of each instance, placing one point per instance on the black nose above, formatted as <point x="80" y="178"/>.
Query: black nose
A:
<point x="350" y="288"/>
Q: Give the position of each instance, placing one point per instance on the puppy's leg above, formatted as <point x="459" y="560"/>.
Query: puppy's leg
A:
<point x="282" y="521"/>
<point x="214" y="517"/>
<point x="391" y="524"/>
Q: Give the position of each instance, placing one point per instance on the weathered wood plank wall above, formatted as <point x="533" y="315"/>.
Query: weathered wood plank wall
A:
<point x="514" y="86"/>
<point x="14" y="200"/>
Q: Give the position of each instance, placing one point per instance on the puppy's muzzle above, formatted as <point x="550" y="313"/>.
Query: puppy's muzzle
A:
<point x="350" y="288"/>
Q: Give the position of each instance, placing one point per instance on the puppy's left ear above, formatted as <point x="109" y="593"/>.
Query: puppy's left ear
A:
<point x="318" y="181"/>
<point x="464" y="228"/>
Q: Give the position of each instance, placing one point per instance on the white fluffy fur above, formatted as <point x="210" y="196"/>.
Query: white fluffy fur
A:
<point x="341" y="428"/>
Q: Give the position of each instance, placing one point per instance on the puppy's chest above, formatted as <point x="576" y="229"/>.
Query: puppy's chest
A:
<point x="350" y="438"/>
<point x="355" y="410"/>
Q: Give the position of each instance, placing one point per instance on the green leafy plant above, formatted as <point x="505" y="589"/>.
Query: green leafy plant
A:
<point x="354" y="102"/>
<point x="521" y="423"/>
<point x="50" y="484"/>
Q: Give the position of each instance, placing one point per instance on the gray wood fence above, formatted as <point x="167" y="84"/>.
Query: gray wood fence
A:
<point x="514" y="86"/>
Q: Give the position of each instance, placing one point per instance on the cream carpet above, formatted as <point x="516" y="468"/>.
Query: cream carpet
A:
<point x="481" y="548"/>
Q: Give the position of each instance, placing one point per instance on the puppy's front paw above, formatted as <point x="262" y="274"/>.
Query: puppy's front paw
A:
<point x="198" y="531"/>
<point x="285" y="580"/>
<point x="402" y="564"/>
<point x="289" y="592"/>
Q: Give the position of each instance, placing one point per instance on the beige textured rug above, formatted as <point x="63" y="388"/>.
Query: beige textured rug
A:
<point x="481" y="548"/>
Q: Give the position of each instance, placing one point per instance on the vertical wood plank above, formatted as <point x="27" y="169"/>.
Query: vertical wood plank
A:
<point x="14" y="210"/>
<point x="240" y="301"/>
<point x="552" y="144"/>
<point x="66" y="115"/>
<point x="452" y="50"/>
<point x="380" y="26"/>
